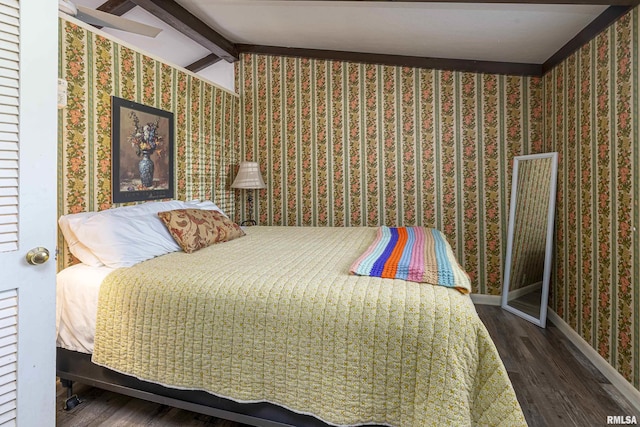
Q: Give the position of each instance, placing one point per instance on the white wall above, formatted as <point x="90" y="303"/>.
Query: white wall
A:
<point x="221" y="73"/>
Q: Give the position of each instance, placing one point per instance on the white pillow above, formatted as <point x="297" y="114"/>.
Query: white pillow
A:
<point x="143" y="208"/>
<point x="122" y="241"/>
<point x="69" y="223"/>
<point x="206" y="205"/>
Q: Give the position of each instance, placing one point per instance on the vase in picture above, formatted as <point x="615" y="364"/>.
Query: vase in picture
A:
<point x="145" y="166"/>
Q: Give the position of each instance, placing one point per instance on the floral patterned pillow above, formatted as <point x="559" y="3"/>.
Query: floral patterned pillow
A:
<point x="195" y="229"/>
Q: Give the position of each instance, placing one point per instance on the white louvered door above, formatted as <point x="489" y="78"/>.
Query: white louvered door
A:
<point x="9" y="100"/>
<point x="8" y="355"/>
<point x="28" y="147"/>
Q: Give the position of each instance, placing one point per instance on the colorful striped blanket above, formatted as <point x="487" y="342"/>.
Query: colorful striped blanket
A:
<point x="416" y="254"/>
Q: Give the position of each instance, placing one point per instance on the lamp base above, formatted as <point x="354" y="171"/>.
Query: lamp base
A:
<point x="250" y="206"/>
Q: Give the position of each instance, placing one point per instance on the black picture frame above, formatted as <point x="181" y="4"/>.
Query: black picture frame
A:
<point x="140" y="133"/>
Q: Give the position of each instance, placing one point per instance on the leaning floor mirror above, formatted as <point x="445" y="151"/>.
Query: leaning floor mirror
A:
<point x="530" y="237"/>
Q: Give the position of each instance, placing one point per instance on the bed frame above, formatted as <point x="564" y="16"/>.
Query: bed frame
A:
<point x="73" y="366"/>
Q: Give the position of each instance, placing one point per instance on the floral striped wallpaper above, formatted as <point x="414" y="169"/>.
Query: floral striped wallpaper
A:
<point x="591" y="118"/>
<point x="346" y="144"/>
<point x="205" y="123"/>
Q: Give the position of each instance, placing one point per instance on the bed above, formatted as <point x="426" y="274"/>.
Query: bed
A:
<point x="271" y="329"/>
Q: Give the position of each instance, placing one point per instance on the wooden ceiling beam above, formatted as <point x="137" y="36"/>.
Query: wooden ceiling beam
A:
<point x="191" y="26"/>
<point x="203" y="63"/>
<point x="588" y="33"/>
<point x="116" y="7"/>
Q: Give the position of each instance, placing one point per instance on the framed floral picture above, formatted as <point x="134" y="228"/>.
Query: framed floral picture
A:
<point x="142" y="140"/>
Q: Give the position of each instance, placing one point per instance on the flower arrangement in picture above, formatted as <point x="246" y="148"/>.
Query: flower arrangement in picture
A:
<point x="145" y="138"/>
<point x="142" y="144"/>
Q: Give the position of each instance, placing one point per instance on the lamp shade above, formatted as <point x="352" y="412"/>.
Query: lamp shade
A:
<point x="248" y="176"/>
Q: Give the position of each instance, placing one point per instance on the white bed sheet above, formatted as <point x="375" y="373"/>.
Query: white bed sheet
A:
<point x="77" y="289"/>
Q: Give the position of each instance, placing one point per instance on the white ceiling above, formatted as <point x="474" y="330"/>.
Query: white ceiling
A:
<point x="524" y="33"/>
<point x="491" y="32"/>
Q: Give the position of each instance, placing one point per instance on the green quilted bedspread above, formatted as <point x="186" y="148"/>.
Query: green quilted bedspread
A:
<point x="275" y="316"/>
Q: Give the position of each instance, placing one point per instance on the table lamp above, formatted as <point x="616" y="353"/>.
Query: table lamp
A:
<point x="249" y="178"/>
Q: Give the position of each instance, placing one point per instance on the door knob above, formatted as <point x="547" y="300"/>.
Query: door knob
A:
<point x="37" y="256"/>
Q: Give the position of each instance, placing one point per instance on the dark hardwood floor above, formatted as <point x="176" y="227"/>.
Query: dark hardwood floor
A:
<point x="556" y="385"/>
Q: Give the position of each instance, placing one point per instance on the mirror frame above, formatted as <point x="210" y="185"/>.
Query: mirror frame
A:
<point x="542" y="320"/>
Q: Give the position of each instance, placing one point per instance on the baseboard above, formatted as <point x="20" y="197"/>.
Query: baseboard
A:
<point x="617" y="380"/>
<point x="486" y="299"/>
